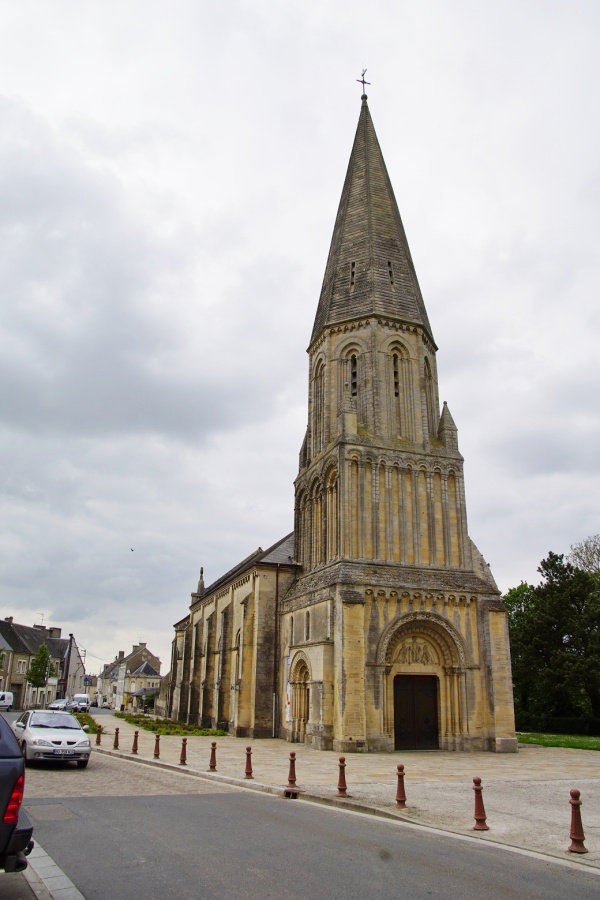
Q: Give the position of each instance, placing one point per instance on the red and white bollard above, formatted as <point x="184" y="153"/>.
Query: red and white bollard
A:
<point x="577" y="836"/>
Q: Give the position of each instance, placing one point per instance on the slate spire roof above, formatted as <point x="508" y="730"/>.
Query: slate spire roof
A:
<point x="369" y="269"/>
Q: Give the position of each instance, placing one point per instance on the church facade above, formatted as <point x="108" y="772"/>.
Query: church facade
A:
<point x="375" y="625"/>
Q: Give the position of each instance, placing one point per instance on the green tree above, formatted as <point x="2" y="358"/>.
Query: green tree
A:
<point x="586" y="555"/>
<point x="40" y="668"/>
<point x="555" y="641"/>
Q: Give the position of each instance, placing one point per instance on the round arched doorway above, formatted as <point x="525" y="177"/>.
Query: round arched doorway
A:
<point x="300" y="691"/>
<point x="424" y="687"/>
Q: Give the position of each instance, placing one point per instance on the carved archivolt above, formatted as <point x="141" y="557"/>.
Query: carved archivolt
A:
<point x="298" y="668"/>
<point x="415" y="630"/>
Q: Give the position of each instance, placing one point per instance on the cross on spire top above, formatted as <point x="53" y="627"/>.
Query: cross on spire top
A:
<point x="362" y="81"/>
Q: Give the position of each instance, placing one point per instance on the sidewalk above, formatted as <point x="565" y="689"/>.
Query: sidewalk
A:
<point x="526" y="795"/>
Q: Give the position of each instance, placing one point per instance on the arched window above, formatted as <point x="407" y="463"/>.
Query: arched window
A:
<point x="396" y="372"/>
<point x="319" y="408"/>
<point x="430" y="400"/>
<point x="353" y="375"/>
<point x="400" y="393"/>
<point x="307" y="627"/>
<point x="237" y="656"/>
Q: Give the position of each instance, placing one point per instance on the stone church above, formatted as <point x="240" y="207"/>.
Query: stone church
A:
<point x="376" y="624"/>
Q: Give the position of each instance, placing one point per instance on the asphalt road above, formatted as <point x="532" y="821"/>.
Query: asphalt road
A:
<point x="129" y="831"/>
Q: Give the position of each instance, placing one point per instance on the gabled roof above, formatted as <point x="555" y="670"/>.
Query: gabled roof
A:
<point x="4" y="644"/>
<point x="12" y="638"/>
<point x="369" y="269"/>
<point x="281" y="553"/>
<point x="33" y="638"/>
<point x="146" y="669"/>
<point x="25" y="639"/>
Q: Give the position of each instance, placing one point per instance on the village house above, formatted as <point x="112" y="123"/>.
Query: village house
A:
<point x="19" y="644"/>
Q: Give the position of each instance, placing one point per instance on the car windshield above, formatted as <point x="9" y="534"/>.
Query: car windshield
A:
<point x="45" y="720"/>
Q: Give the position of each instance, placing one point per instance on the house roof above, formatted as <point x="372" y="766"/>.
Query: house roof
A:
<point x="111" y="669"/>
<point x="33" y="638"/>
<point x="369" y="270"/>
<point x="26" y="639"/>
<point x="146" y="669"/>
<point x="4" y="644"/>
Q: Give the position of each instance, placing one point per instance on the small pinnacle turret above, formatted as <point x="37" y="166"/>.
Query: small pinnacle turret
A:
<point x="447" y="431"/>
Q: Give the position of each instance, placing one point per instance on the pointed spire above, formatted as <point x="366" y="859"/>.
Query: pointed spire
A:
<point x="201" y="582"/>
<point x="369" y="269"/>
<point x="447" y="430"/>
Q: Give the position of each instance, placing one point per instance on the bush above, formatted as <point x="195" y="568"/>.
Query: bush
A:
<point x="168" y="726"/>
<point x="574" y="725"/>
<point x="86" y="719"/>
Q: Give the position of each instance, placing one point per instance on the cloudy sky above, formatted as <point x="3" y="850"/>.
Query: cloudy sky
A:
<point x="169" y="177"/>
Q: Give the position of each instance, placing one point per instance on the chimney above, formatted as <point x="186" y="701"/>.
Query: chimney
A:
<point x="121" y="654"/>
<point x="9" y="619"/>
<point x="54" y="632"/>
<point x="142" y="645"/>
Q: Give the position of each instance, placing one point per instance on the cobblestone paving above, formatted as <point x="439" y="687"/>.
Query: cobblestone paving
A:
<point x="109" y="777"/>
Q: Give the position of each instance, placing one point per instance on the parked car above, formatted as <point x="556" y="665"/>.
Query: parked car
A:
<point x="7" y="699"/>
<point x="52" y="734"/>
<point x="105" y="704"/>
<point x="64" y="705"/>
<point x="15" y="828"/>
<point x="81" y="702"/>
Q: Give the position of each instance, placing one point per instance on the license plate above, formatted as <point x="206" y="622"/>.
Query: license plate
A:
<point x="63" y="752"/>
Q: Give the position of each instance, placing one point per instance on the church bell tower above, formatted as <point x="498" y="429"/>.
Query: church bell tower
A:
<point x="394" y="634"/>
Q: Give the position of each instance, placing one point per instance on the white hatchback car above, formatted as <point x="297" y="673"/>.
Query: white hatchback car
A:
<point x="52" y="735"/>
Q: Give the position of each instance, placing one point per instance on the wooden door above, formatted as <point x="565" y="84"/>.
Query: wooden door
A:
<point x="416" y="712"/>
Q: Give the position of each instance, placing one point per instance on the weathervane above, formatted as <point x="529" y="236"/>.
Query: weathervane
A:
<point x="362" y="81"/>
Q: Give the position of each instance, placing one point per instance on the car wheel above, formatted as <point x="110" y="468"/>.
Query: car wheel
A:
<point x="82" y="763"/>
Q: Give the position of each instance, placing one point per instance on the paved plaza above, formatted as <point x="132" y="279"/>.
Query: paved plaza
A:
<point x="526" y="795"/>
